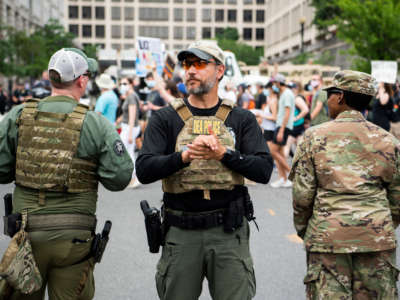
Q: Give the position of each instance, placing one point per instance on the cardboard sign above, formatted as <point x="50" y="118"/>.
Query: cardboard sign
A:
<point x="384" y="71"/>
<point x="150" y="54"/>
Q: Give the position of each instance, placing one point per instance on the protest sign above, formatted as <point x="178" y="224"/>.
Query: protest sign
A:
<point x="150" y="55"/>
<point x="384" y="71"/>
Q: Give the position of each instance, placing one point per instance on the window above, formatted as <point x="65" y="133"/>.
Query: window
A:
<point x="191" y="1"/>
<point x="219" y="15"/>
<point x="116" y="0"/>
<point x="154" y="31"/>
<point x="116" y="46"/>
<point x="260" y="1"/>
<point x="86" y="12"/>
<point x="247" y="15"/>
<point x="178" y="14"/>
<point x="191" y="33"/>
<point x="129" y="46"/>
<point x="247" y="33"/>
<point x="206" y="33"/>
<point x="155" y="1"/>
<point x="232" y="1"/>
<point x="100" y="12"/>
<point x="231" y="15"/>
<point x="153" y="14"/>
<point x="86" y="30"/>
<point x="260" y="16"/>
<point x="116" y="31"/>
<point x="190" y="15"/>
<point x="219" y="1"/>
<point x="128" y="0"/>
<point x="128" y="30"/>
<point x="73" y="12"/>
<point x="260" y="34"/>
<point x="100" y="31"/>
<point x="247" y="1"/>
<point x="100" y="45"/>
<point x="74" y="29"/>
<point x="178" y="1"/>
<point x="206" y="12"/>
<point x="206" y="1"/>
<point x="128" y="13"/>
<point x="178" y="33"/>
<point x="218" y="31"/>
<point x="116" y="13"/>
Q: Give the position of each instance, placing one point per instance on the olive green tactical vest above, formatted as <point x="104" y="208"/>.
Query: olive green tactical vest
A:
<point x="202" y="174"/>
<point x="46" y="152"/>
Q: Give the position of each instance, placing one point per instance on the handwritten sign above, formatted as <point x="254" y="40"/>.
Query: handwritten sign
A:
<point x="150" y="54"/>
<point x="384" y="71"/>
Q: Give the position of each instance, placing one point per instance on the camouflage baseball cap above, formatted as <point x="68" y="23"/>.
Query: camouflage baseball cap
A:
<point x="205" y="50"/>
<point x="353" y="81"/>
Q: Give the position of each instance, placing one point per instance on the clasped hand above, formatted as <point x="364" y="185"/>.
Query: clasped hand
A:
<point x="204" y="147"/>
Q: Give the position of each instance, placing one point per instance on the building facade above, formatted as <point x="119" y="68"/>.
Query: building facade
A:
<point x="29" y="14"/>
<point x="114" y="24"/>
<point x="283" y="40"/>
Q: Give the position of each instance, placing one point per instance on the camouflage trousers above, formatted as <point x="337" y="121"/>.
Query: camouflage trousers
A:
<point x="358" y="276"/>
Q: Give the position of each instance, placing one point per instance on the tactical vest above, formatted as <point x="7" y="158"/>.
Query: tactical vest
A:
<point x="202" y="174"/>
<point x="46" y="152"/>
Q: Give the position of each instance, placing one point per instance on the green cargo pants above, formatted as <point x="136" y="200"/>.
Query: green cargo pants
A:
<point x="355" y="276"/>
<point x="190" y="255"/>
<point x="61" y="269"/>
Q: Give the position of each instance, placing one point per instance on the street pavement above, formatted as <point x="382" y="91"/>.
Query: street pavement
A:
<point x="127" y="269"/>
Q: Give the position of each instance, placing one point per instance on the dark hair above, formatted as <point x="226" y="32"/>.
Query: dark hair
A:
<point x="171" y="85"/>
<point x="55" y="80"/>
<point x="357" y="101"/>
<point x="150" y="74"/>
<point x="388" y="89"/>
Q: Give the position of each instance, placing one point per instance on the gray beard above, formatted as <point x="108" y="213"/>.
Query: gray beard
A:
<point x="204" y="87"/>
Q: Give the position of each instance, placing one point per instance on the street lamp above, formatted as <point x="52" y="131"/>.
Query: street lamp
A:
<point x="302" y="22"/>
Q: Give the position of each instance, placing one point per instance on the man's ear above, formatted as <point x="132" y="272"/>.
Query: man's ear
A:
<point x="221" y="67"/>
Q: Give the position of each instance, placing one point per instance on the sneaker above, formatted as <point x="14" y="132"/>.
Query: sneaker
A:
<point x="287" y="184"/>
<point x="279" y="183"/>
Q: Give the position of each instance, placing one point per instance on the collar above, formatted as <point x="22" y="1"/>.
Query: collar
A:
<point x="350" y="115"/>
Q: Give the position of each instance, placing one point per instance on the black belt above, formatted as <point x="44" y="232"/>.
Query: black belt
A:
<point x="204" y="220"/>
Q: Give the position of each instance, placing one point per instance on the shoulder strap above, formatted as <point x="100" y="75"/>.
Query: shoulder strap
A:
<point x="29" y="111"/>
<point x="181" y="109"/>
<point x="224" y="109"/>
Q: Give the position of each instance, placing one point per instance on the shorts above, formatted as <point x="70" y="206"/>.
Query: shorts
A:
<point x="285" y="136"/>
<point x="268" y="135"/>
<point x="297" y="130"/>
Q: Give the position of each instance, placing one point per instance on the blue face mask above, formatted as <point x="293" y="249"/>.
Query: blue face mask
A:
<point x="275" y="89"/>
<point x="123" y="89"/>
<point x="266" y="92"/>
<point x="150" y="83"/>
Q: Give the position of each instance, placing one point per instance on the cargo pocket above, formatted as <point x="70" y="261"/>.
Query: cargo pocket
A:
<point x="311" y="279"/>
<point x="251" y="278"/>
<point x="161" y="275"/>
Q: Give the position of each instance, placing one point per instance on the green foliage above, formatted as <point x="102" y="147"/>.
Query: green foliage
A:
<point x="325" y="13"/>
<point x="302" y="58"/>
<point x="228" y="33"/>
<point x="326" y="58"/>
<point x="28" y="55"/>
<point x="227" y="40"/>
<point x="90" y="51"/>
<point x="371" y="27"/>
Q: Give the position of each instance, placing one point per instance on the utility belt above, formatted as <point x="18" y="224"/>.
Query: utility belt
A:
<point x="47" y="222"/>
<point x="231" y="218"/>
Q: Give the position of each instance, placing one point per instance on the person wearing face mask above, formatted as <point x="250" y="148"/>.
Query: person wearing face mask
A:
<point x="154" y="99"/>
<point x="319" y="108"/>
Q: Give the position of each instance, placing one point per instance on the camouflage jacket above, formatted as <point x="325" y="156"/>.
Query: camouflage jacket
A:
<point x="346" y="186"/>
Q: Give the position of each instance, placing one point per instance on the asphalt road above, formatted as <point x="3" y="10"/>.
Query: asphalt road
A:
<point x="127" y="269"/>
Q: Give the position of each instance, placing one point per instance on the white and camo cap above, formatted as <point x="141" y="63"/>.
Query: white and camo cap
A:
<point x="205" y="50"/>
<point x="70" y="63"/>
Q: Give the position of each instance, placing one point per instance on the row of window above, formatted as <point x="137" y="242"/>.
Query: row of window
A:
<point x="157" y="32"/>
<point x="187" y="1"/>
<point x="162" y="14"/>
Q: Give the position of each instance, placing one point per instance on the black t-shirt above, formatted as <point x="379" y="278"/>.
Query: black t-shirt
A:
<point x="158" y="159"/>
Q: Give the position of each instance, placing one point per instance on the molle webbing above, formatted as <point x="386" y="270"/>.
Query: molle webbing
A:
<point x="46" y="152"/>
<point x="61" y="222"/>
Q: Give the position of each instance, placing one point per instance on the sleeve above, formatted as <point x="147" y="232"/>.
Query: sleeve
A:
<point x="287" y="101"/>
<point x="115" y="166"/>
<point x="153" y="162"/>
<point x="252" y="159"/>
<point x="322" y="97"/>
<point x="8" y="145"/>
<point x="304" y="189"/>
<point x="393" y="191"/>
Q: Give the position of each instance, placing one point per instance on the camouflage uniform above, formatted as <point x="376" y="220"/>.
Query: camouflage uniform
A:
<point x="346" y="200"/>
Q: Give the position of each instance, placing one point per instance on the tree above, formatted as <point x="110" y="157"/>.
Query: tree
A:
<point x="227" y="40"/>
<point x="371" y="27"/>
<point x="325" y="13"/>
